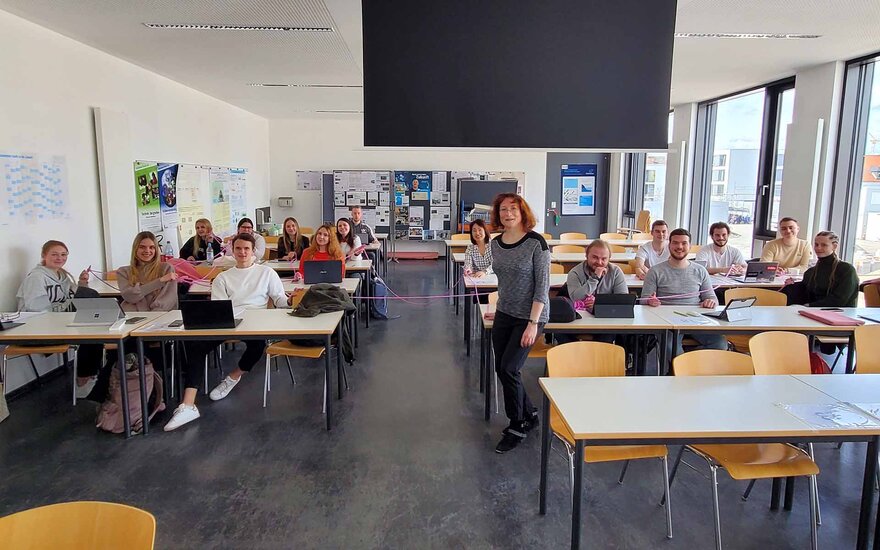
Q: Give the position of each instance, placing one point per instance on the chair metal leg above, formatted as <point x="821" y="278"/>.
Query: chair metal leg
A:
<point x="623" y="472"/>
<point x="815" y="486"/>
<point x="497" y="405"/>
<point x="814" y="513"/>
<point x="674" y="470"/>
<point x="749" y="490"/>
<point x="290" y="370"/>
<point x="173" y="357"/>
<point x="665" y="462"/>
<point x="3" y="364"/>
<point x="72" y="374"/>
<point x="269" y="378"/>
<point x="324" y="400"/>
<point x="714" y="480"/>
<point x="570" y="472"/>
<point x="266" y="381"/>
<point x="34" y="368"/>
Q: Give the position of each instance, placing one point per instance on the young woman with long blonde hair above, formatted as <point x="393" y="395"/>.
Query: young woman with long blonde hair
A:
<point x="196" y="248"/>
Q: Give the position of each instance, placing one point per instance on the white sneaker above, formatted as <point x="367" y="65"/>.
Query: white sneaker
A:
<point x="223" y="388"/>
<point x="83" y="391"/>
<point x="183" y="414"/>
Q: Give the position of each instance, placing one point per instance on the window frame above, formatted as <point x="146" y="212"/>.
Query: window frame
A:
<point x="767" y="158"/>
<point x="633" y="188"/>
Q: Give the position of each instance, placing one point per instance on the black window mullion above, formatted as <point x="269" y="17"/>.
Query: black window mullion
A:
<point x="767" y="160"/>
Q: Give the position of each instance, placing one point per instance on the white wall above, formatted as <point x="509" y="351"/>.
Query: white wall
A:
<point x="49" y="85"/>
<point x="336" y="142"/>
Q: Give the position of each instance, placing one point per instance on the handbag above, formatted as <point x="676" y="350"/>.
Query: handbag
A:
<point x="562" y="310"/>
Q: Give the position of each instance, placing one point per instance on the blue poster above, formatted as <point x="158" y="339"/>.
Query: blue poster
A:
<point x="578" y="189"/>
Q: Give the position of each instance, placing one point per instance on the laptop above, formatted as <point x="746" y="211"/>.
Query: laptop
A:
<point x="92" y="312"/>
<point x="614" y="306"/>
<point x="322" y="271"/>
<point x="734" y="310"/>
<point x="208" y="314"/>
<point x="758" y="272"/>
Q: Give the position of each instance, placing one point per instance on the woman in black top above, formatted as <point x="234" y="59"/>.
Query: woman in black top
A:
<point x="291" y="244"/>
<point x="196" y="248"/>
<point x="830" y="283"/>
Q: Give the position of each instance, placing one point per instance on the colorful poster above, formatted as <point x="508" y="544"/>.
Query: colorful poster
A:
<point x="578" y="189"/>
<point x="237" y="195"/>
<point x="33" y="188"/>
<point x="191" y="180"/>
<point x="168" y="202"/>
<point x="221" y="216"/>
<point x="146" y="181"/>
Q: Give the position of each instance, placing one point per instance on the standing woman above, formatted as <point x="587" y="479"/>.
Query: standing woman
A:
<point x="349" y="242"/>
<point x="521" y="261"/>
<point x="478" y="255"/>
<point x="49" y="287"/>
<point x="196" y="248"/>
<point x="291" y="244"/>
<point x="324" y="247"/>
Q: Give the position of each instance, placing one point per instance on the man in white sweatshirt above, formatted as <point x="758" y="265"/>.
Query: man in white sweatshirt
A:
<point x="250" y="286"/>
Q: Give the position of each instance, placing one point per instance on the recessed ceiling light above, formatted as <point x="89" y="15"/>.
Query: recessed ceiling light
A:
<point x="749" y="35"/>
<point x="269" y="85"/>
<point x="200" y="27"/>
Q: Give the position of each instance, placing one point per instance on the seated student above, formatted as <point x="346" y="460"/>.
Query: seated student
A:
<point x="685" y="283"/>
<point x="364" y="231"/>
<point x="196" y="248"/>
<point x="829" y="283"/>
<point x="478" y="254"/>
<point x="147" y="284"/>
<point x="250" y="286"/>
<point x="291" y="244"/>
<point x="719" y="256"/>
<point x="49" y="287"/>
<point x="654" y="251"/>
<point x="788" y="250"/>
<point x="246" y="227"/>
<point x="349" y="242"/>
<point x="324" y="247"/>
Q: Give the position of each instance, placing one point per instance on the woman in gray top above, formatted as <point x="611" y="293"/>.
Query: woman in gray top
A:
<point x="521" y="261"/>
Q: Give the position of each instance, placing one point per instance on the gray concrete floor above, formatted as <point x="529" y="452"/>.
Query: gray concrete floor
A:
<point x="410" y="463"/>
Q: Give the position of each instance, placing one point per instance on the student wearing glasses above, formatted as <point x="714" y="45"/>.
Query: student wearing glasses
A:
<point x="246" y="227"/>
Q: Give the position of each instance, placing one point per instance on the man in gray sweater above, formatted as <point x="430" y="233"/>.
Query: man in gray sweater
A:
<point x="679" y="281"/>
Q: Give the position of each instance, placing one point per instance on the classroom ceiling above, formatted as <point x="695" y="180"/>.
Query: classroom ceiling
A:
<point x="222" y="63"/>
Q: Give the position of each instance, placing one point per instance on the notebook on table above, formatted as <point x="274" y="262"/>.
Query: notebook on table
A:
<point x="832" y="318"/>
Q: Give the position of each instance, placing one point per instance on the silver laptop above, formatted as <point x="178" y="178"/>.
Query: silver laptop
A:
<point x="91" y="312"/>
<point x="758" y="272"/>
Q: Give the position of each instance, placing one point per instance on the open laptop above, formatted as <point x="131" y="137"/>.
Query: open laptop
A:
<point x="208" y="314"/>
<point x="6" y="325"/>
<point x="758" y="272"/>
<point x="614" y="306"/>
<point x="732" y="311"/>
<point x="92" y="312"/>
<point x="322" y="271"/>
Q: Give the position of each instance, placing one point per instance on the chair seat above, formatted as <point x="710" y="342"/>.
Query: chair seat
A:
<point x="111" y="347"/>
<point x="760" y="461"/>
<point x="11" y="351"/>
<point x="539" y="350"/>
<point x="290" y="349"/>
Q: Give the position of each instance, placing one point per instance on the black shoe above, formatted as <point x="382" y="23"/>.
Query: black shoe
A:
<point x="531" y="422"/>
<point x="508" y="442"/>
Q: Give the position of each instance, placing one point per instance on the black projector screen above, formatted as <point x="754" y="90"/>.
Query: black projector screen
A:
<point x="508" y="73"/>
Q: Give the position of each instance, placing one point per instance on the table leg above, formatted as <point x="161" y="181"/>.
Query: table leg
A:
<point x="662" y="360"/>
<point x="328" y="403"/>
<point x="482" y="357"/>
<point x="775" y="489"/>
<point x="545" y="455"/>
<point x="789" y="494"/>
<point x="447" y="265"/>
<point x="577" y="495"/>
<point x="455" y="286"/>
<point x="339" y="376"/>
<point x="487" y="381"/>
<point x="850" y="353"/>
<point x="867" y="501"/>
<point x="468" y="313"/>
<point x="142" y="380"/>
<point x="369" y="294"/>
<point x="126" y="412"/>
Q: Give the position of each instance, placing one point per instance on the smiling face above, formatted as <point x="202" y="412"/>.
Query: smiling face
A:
<point x="202" y="230"/>
<point x="659" y="233"/>
<point x="146" y="250"/>
<point x="789" y="229"/>
<point x="719" y="237"/>
<point x="246" y="227"/>
<point x="824" y="246"/>
<point x="55" y="257"/>
<point x="243" y="252"/>
<point x="322" y="237"/>
<point x="343" y="228"/>
<point x="679" y="246"/>
<point x="290" y="228"/>
<point x="597" y="257"/>
<point x="478" y="233"/>
<point x="510" y="214"/>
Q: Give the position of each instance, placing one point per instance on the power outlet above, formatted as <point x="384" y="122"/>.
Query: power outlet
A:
<point x="553" y="204"/>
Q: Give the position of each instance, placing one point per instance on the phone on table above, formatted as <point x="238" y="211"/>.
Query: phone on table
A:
<point x="831" y="309"/>
<point x="133" y="320"/>
<point x="175" y="324"/>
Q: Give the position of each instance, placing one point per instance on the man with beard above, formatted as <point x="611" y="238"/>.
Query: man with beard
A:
<point x="719" y="257"/>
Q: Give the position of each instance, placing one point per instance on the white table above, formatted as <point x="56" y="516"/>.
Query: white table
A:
<point x="257" y="324"/>
<point x="52" y="328"/>
<point x="691" y="410"/>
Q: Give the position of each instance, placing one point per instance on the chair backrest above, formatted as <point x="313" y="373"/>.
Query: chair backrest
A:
<point x="493" y="297"/>
<point x="612" y="236"/>
<point x="307" y="230"/>
<point x="643" y="221"/>
<point x="272" y="239"/>
<point x="98" y="525"/>
<point x="872" y="295"/>
<point x="695" y="248"/>
<point x="569" y="248"/>
<point x="642" y="237"/>
<point x="627" y="268"/>
<point x="460" y="237"/>
<point x="572" y="236"/>
<point x="557" y="269"/>
<point x="577" y="359"/>
<point x="546" y="236"/>
<point x="712" y="362"/>
<point x="617" y="249"/>
<point x="112" y="275"/>
<point x="780" y="352"/>
<point x="208" y="272"/>
<point x="868" y="349"/>
<point x="764" y="296"/>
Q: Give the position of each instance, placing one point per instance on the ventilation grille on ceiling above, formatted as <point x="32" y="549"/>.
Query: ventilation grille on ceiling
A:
<point x="268" y="85"/>
<point x="201" y="27"/>
<point x="749" y="35"/>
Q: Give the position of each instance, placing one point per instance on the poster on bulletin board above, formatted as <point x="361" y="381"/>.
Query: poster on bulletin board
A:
<point x="578" y="189"/>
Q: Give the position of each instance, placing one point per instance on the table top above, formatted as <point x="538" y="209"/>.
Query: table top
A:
<point x="763" y="318"/>
<point x="565" y="257"/>
<point x="350" y="265"/>
<point x="645" y="318"/>
<point x="556" y="242"/>
<point x="691" y="407"/>
<point x="851" y="388"/>
<point x="53" y="327"/>
<point x="255" y="322"/>
<point x="349" y="284"/>
<point x="491" y="281"/>
<point x="371" y="246"/>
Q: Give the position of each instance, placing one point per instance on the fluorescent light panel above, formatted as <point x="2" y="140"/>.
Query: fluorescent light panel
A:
<point x="202" y="27"/>
<point x="269" y="85"/>
<point x="747" y="36"/>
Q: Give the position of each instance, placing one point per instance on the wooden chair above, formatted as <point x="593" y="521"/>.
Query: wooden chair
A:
<point x="612" y="237"/>
<point x="695" y="248"/>
<point x="557" y="269"/>
<point x="572" y="236"/>
<point x="617" y="249"/>
<point x="547" y="236"/>
<point x="868" y="349"/>
<point x="642" y="224"/>
<point x="14" y="352"/>
<point x="272" y="239"/>
<point x="764" y="298"/>
<point x="460" y="237"/>
<point x="581" y="359"/>
<point x="744" y="461"/>
<point x="642" y="237"/>
<point x="872" y="295"/>
<point x="627" y="268"/>
<point x="307" y="230"/>
<point x="93" y="525"/>
<point x="780" y="352"/>
<point x="493" y="235"/>
<point x="562" y="248"/>
<point x="208" y="272"/>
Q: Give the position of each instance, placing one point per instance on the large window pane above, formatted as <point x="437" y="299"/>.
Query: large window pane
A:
<point x="866" y="253"/>
<point x="734" y="175"/>
<point x="655" y="180"/>
<point x="784" y="118"/>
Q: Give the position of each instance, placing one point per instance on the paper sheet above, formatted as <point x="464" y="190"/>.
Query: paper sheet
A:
<point x="831" y="415"/>
<point x="417" y="216"/>
<point x="309" y="180"/>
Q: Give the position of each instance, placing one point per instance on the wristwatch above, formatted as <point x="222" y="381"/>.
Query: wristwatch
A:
<point x="533" y="322"/>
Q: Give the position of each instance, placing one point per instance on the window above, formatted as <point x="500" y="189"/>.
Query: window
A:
<point x="855" y="206"/>
<point x="644" y="183"/>
<point x="649" y="191"/>
<point x="650" y="176"/>
<point x="739" y="153"/>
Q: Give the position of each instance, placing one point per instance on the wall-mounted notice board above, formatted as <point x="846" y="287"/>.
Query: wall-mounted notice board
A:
<point x="422" y="205"/>
<point x="369" y="189"/>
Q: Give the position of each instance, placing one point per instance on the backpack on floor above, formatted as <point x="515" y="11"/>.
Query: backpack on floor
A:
<point x="110" y="411"/>
<point x="378" y="301"/>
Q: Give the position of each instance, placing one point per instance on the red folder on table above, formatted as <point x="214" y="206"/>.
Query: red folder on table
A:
<point x="832" y="318"/>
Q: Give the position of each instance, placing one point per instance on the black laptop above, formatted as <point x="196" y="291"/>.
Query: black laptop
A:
<point x="6" y="325"/>
<point x="208" y="314"/>
<point x="614" y="306"/>
<point x="322" y="271"/>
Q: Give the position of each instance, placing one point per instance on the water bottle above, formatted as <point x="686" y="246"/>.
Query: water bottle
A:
<point x="169" y="250"/>
<point x="209" y="254"/>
